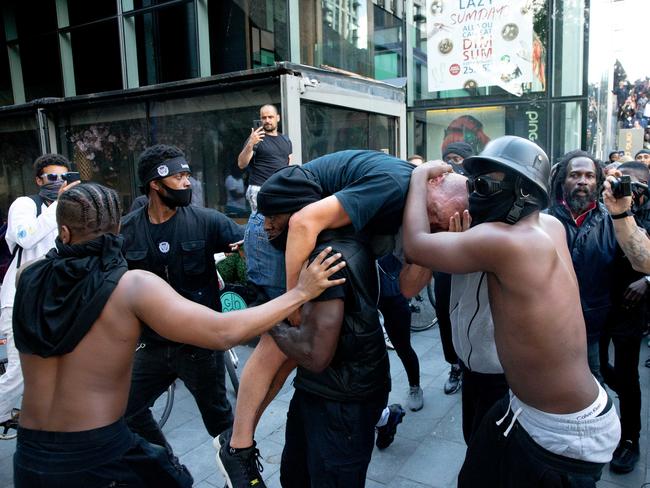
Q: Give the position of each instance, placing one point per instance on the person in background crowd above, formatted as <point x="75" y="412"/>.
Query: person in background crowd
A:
<point x="643" y="156"/>
<point x="624" y="327"/>
<point x="265" y="151"/>
<point x="591" y="240"/>
<point x="30" y="234"/>
<point x="176" y="241"/>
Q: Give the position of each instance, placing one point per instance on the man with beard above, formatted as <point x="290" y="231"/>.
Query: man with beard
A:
<point x="558" y="427"/>
<point x="624" y="328"/>
<point x="591" y="240"/>
<point x="176" y="242"/>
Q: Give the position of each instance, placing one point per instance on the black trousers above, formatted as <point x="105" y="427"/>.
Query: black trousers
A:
<point x="397" y="322"/>
<point x="157" y="365"/>
<point x="98" y="458"/>
<point x="328" y="444"/>
<point x="516" y="461"/>
<point x="623" y="376"/>
<point x="480" y="392"/>
<point x="442" y="292"/>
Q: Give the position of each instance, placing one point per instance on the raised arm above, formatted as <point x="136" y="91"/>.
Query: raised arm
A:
<point x="246" y="153"/>
<point x="313" y="344"/>
<point x="304" y="227"/>
<point x="633" y="240"/>
<point x="156" y="304"/>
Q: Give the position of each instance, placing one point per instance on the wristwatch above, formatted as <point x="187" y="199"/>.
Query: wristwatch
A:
<point x="622" y="215"/>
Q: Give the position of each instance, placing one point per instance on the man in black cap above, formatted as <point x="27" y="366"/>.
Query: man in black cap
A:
<point x="643" y="156"/>
<point x="455" y="153"/>
<point x="558" y="425"/>
<point x="176" y="242"/>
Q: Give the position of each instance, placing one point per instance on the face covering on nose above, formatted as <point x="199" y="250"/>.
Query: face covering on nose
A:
<point x="50" y="191"/>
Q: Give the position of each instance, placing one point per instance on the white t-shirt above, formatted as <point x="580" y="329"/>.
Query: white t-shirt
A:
<point x="35" y="235"/>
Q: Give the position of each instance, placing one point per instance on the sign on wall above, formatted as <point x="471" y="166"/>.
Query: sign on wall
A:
<point x="630" y="141"/>
<point x="475" y="43"/>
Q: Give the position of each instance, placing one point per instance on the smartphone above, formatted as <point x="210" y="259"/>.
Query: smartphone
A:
<point x="71" y="176"/>
<point x="257" y="123"/>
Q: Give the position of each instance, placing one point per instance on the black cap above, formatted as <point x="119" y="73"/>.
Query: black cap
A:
<point x="288" y="190"/>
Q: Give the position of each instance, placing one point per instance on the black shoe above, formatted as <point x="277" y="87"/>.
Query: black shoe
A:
<point x="455" y="381"/>
<point x="240" y="467"/>
<point x="625" y="457"/>
<point x="386" y="433"/>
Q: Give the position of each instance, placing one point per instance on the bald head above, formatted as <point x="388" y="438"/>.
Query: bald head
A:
<point x="446" y="195"/>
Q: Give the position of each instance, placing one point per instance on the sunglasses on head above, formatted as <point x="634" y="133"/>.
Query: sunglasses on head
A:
<point x="485" y="186"/>
<point x="60" y="176"/>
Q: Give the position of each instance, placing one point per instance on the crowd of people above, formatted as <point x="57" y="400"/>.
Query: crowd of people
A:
<point x="632" y="109"/>
<point x="538" y="269"/>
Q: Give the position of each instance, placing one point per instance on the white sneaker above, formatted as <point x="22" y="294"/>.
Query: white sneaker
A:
<point x="415" y="400"/>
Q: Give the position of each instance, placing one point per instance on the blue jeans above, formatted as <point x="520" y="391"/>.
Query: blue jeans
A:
<point x="265" y="264"/>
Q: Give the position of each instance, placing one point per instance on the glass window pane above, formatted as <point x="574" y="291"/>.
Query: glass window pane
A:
<point x="569" y="30"/>
<point x="166" y="44"/>
<point x="96" y="64"/>
<point x="41" y="65"/>
<point x="82" y="11"/>
<point x="567" y="128"/>
<point x="327" y="129"/>
<point x="420" y="58"/>
<point x="246" y="34"/>
<point x="19" y="147"/>
<point x="104" y="144"/>
<point x="6" y="94"/>
<point x="212" y="130"/>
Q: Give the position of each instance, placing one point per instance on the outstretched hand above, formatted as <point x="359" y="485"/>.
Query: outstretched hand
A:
<point x="314" y="278"/>
<point x="458" y="223"/>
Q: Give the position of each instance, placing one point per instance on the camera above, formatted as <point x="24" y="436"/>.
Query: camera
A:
<point x="622" y="187"/>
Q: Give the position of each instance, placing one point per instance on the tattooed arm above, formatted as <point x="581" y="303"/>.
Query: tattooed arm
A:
<point x="633" y="240"/>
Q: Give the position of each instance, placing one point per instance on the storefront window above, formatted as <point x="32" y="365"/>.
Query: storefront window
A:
<point x="19" y="147"/>
<point x="104" y="145"/>
<point x="361" y="36"/>
<point x="569" y="43"/>
<point x="246" y="34"/>
<point x="326" y="129"/>
<point x="567" y="127"/>
<point x="472" y="50"/>
<point x="212" y="130"/>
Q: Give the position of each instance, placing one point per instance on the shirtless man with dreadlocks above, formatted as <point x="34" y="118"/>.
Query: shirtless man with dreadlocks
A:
<point x="78" y="316"/>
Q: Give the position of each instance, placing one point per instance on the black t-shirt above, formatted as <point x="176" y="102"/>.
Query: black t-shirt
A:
<point x="370" y="185"/>
<point x="163" y="238"/>
<point x="271" y="154"/>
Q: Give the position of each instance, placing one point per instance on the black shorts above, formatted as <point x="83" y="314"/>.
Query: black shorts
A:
<point x="103" y="457"/>
<point x="516" y="460"/>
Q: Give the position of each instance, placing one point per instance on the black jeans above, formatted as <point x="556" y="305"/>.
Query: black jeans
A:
<point x="516" y="461"/>
<point x="397" y="322"/>
<point x="623" y="377"/>
<point x="98" y="458"/>
<point x="157" y="365"/>
<point x="328" y="444"/>
<point x="442" y="292"/>
<point x="480" y="392"/>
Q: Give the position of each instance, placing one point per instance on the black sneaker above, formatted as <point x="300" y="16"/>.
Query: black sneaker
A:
<point x="455" y="381"/>
<point x="240" y="467"/>
<point x="386" y="433"/>
<point x="625" y="457"/>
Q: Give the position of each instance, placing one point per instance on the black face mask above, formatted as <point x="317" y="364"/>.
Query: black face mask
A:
<point x="50" y="191"/>
<point x="176" y="198"/>
<point x="494" y="208"/>
<point x="457" y="168"/>
<point x="280" y="241"/>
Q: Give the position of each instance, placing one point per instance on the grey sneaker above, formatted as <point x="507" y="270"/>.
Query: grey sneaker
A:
<point x="415" y="400"/>
<point x="455" y="381"/>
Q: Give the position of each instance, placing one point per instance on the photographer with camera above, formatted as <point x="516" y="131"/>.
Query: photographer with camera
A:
<point x="625" y="323"/>
<point x="31" y="230"/>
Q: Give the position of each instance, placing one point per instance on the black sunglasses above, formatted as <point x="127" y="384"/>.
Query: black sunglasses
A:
<point x="485" y="186"/>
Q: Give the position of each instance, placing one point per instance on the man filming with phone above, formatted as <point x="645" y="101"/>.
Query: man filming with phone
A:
<point x="31" y="230"/>
<point x="266" y="150"/>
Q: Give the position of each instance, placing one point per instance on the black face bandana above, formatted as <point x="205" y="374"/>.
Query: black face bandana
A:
<point x="59" y="298"/>
<point x="176" y="198"/>
<point x="280" y="241"/>
<point x="494" y="208"/>
<point x="50" y="191"/>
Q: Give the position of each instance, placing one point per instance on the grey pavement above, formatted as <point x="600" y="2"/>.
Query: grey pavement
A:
<point x="427" y="452"/>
